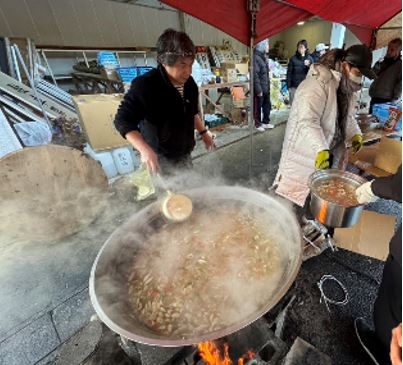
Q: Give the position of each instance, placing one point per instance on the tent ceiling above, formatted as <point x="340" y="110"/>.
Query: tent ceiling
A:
<point x="389" y="30"/>
<point x="362" y="17"/>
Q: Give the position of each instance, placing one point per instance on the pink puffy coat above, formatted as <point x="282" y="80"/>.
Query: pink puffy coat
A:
<point x="310" y="129"/>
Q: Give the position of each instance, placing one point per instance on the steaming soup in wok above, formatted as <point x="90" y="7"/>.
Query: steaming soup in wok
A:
<point x="338" y="191"/>
<point x="206" y="273"/>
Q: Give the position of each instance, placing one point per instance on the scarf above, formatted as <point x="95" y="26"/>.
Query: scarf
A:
<point x="345" y="92"/>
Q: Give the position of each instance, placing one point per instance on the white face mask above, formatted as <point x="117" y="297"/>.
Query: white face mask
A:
<point x="355" y="78"/>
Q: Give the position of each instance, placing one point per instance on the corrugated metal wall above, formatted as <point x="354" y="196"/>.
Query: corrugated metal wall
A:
<point x="98" y="23"/>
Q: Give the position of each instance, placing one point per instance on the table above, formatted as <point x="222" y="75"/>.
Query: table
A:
<point x="222" y="88"/>
<point x="364" y="159"/>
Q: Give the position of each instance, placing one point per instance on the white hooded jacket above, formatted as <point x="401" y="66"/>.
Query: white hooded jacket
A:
<point x="310" y="128"/>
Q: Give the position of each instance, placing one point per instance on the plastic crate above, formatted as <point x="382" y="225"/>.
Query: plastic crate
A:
<point x="141" y="70"/>
<point x="107" y="59"/>
<point x="127" y="74"/>
<point x="217" y="122"/>
<point x="389" y="115"/>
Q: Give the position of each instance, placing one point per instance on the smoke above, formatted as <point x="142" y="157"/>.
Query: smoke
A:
<point x="232" y="259"/>
<point x="48" y="246"/>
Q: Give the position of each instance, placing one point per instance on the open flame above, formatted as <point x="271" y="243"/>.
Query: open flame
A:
<point x="212" y="355"/>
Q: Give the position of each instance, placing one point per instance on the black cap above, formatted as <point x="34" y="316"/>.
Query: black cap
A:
<point x="360" y="56"/>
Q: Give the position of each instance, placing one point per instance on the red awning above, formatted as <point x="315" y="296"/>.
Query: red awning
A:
<point x="362" y="17"/>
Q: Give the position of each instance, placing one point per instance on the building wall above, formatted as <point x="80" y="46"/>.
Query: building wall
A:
<point x="314" y="31"/>
<point x="98" y="23"/>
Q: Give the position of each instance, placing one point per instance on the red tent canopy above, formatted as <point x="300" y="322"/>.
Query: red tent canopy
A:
<point x="362" y="17"/>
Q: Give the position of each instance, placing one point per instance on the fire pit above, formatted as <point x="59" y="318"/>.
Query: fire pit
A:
<point x="237" y="256"/>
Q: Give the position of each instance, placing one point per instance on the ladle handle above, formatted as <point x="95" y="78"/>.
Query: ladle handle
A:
<point x="164" y="185"/>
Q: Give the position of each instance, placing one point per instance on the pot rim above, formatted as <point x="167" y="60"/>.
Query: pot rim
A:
<point x="165" y="341"/>
<point x="329" y="173"/>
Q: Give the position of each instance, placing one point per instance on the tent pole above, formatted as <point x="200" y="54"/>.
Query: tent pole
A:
<point x="253" y="8"/>
<point x="251" y="107"/>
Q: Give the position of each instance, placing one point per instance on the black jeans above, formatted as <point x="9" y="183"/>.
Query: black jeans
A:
<point x="262" y="104"/>
<point x="388" y="304"/>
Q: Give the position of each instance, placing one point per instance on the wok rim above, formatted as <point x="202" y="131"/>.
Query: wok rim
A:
<point x="224" y="331"/>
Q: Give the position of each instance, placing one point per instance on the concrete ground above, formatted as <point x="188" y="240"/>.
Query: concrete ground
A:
<point x="44" y="297"/>
<point x="44" y="292"/>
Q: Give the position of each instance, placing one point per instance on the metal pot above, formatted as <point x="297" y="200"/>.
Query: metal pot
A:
<point x="108" y="284"/>
<point x="327" y="212"/>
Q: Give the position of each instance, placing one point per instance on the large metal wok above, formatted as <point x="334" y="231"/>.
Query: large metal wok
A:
<point x="109" y="276"/>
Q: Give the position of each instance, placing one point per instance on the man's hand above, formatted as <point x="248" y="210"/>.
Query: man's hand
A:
<point x="149" y="158"/>
<point x="396" y="346"/>
<point x="208" y="140"/>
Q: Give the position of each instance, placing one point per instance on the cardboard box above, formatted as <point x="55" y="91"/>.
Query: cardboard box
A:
<point x="230" y="75"/>
<point x="370" y="236"/>
<point x="227" y="65"/>
<point x="389" y="155"/>
<point x="380" y="159"/>
<point x="96" y="114"/>
<point x="242" y="68"/>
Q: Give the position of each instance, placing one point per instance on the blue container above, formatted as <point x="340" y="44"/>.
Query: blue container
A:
<point x="108" y="59"/>
<point x="141" y="70"/>
<point x="127" y="74"/>
<point x="386" y="115"/>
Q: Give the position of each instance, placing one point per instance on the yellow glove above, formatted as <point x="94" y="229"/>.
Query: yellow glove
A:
<point x="323" y="160"/>
<point x="356" y="143"/>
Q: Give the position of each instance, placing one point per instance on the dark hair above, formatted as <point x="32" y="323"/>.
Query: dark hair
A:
<point x="333" y="58"/>
<point x="172" y="45"/>
<point x="397" y="41"/>
<point x="302" y="42"/>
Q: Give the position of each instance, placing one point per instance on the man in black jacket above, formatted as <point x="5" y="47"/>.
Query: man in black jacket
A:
<point x="261" y="86"/>
<point x="388" y="304"/>
<point x="160" y="112"/>
<point x="387" y="87"/>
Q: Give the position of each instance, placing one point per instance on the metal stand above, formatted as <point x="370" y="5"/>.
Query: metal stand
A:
<point x="317" y="239"/>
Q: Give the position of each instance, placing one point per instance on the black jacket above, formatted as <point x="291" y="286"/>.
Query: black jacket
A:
<point x="390" y="187"/>
<point x="297" y="70"/>
<point x="154" y="107"/>
<point x="261" y="82"/>
<point x="315" y="56"/>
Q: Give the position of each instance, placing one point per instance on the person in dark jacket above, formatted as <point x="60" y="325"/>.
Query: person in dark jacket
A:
<point x="387" y="87"/>
<point x="320" y="50"/>
<point x="388" y="304"/>
<point x="261" y="86"/>
<point x="160" y="112"/>
<point x="298" y="68"/>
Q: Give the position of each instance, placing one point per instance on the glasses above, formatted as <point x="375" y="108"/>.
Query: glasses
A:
<point x="183" y="54"/>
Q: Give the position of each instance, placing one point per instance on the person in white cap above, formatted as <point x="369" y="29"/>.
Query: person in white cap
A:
<point x="320" y="50"/>
<point x="261" y="87"/>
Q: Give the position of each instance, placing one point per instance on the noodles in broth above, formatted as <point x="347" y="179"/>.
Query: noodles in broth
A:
<point x="205" y="274"/>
